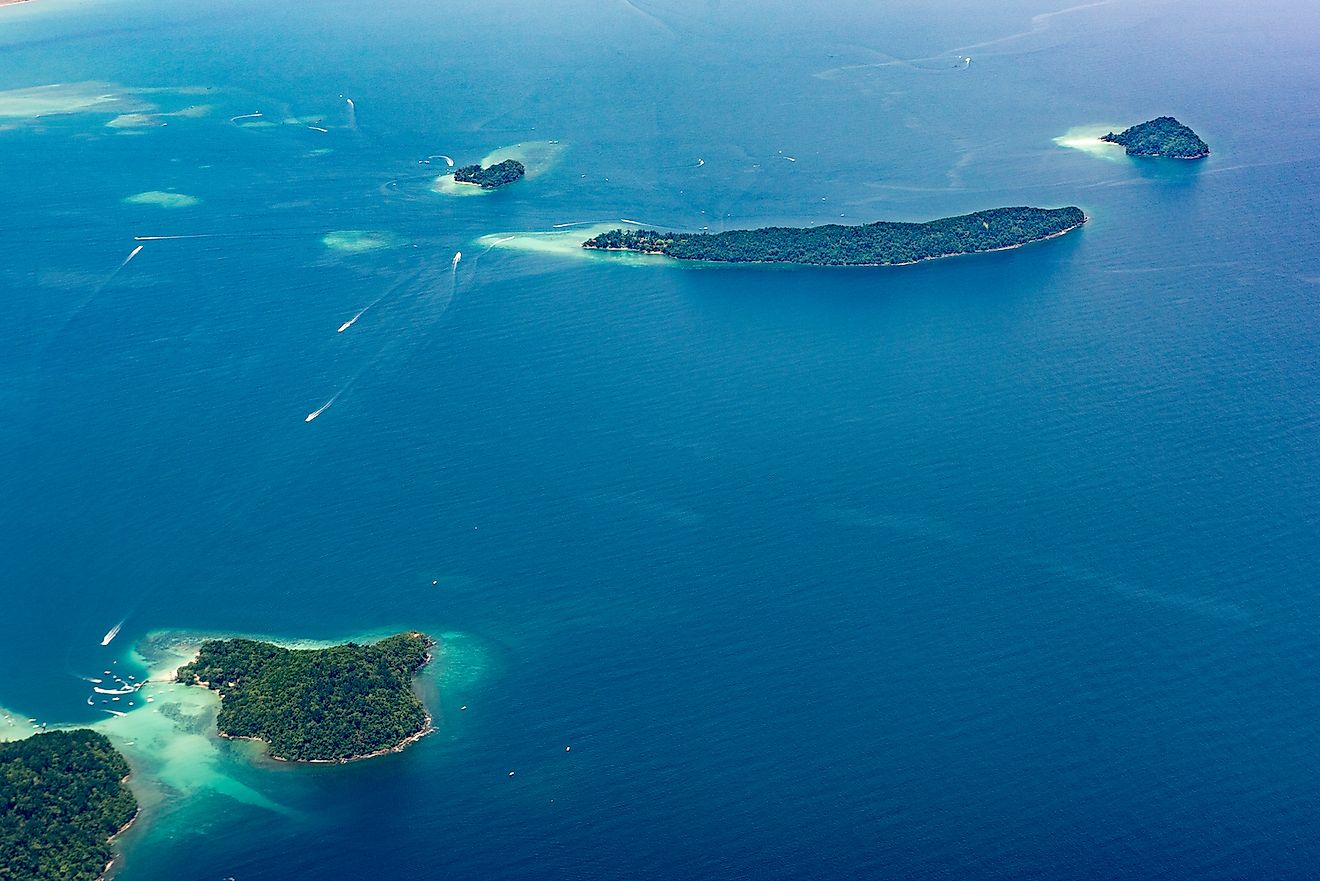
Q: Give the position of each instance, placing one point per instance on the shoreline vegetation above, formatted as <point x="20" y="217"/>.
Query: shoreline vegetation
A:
<point x="876" y="244"/>
<point x="501" y="174"/>
<point x="63" y="803"/>
<point x="1163" y="137"/>
<point x="335" y="704"/>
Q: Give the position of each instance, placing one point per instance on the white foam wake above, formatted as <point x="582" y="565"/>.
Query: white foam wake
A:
<point x="352" y="321"/>
<point x="321" y="409"/>
<point x="112" y="633"/>
<point x="173" y="238"/>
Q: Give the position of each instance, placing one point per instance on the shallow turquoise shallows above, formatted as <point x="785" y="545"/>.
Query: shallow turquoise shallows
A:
<point x="996" y="567"/>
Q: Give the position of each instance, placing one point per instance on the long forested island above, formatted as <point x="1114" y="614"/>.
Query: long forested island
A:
<point x="317" y="705"/>
<point x="492" y="177"/>
<point x="874" y="244"/>
<point x="1163" y="136"/>
<point x="62" y="799"/>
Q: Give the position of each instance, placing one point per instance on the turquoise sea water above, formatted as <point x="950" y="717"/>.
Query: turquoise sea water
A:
<point x="999" y="567"/>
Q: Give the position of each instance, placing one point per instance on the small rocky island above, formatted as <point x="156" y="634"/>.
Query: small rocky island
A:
<point x="331" y="704"/>
<point x="62" y="800"/>
<point x="492" y="177"/>
<point x="874" y="244"/>
<point x="1165" y="136"/>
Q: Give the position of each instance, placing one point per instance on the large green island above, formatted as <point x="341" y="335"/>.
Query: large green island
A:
<point x="873" y="244"/>
<point x="330" y="704"/>
<point x="1163" y="136"/>
<point x="62" y="800"/>
<point x="492" y="177"/>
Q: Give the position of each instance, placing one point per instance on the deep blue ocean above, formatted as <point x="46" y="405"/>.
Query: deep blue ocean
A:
<point x="999" y="567"/>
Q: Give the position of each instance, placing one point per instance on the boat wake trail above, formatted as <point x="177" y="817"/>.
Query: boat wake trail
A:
<point x="492" y="245"/>
<point x="326" y="406"/>
<point x="112" y="633"/>
<point x="205" y="235"/>
<point x="1202" y="606"/>
<point x="426" y="297"/>
<point x="87" y="301"/>
<point x="117" y="270"/>
<point x="363" y="311"/>
<point x="652" y="18"/>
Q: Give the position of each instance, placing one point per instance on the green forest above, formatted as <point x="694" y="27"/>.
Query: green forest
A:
<point x="874" y="244"/>
<point x="328" y="704"/>
<point x="61" y="798"/>
<point x="497" y="175"/>
<point x="1164" y="136"/>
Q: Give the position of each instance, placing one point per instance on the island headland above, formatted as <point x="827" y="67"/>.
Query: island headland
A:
<point x="492" y="177"/>
<point x="62" y="803"/>
<point x="874" y="244"/>
<point x="334" y="704"/>
<point x="1163" y="136"/>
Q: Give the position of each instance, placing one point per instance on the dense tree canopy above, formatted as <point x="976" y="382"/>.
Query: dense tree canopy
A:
<point x="315" y="704"/>
<point x="1164" y="136"/>
<point x="496" y="175"/>
<point x="874" y="244"/>
<point x="61" y="799"/>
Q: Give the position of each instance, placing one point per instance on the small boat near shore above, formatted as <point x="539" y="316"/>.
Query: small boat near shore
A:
<point x="127" y="689"/>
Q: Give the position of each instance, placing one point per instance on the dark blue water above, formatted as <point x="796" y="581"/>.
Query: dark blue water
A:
<point x="999" y="567"/>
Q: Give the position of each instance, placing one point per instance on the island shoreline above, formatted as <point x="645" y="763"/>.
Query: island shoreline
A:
<point x="427" y="726"/>
<point x="137" y="813"/>
<point x="1013" y="247"/>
